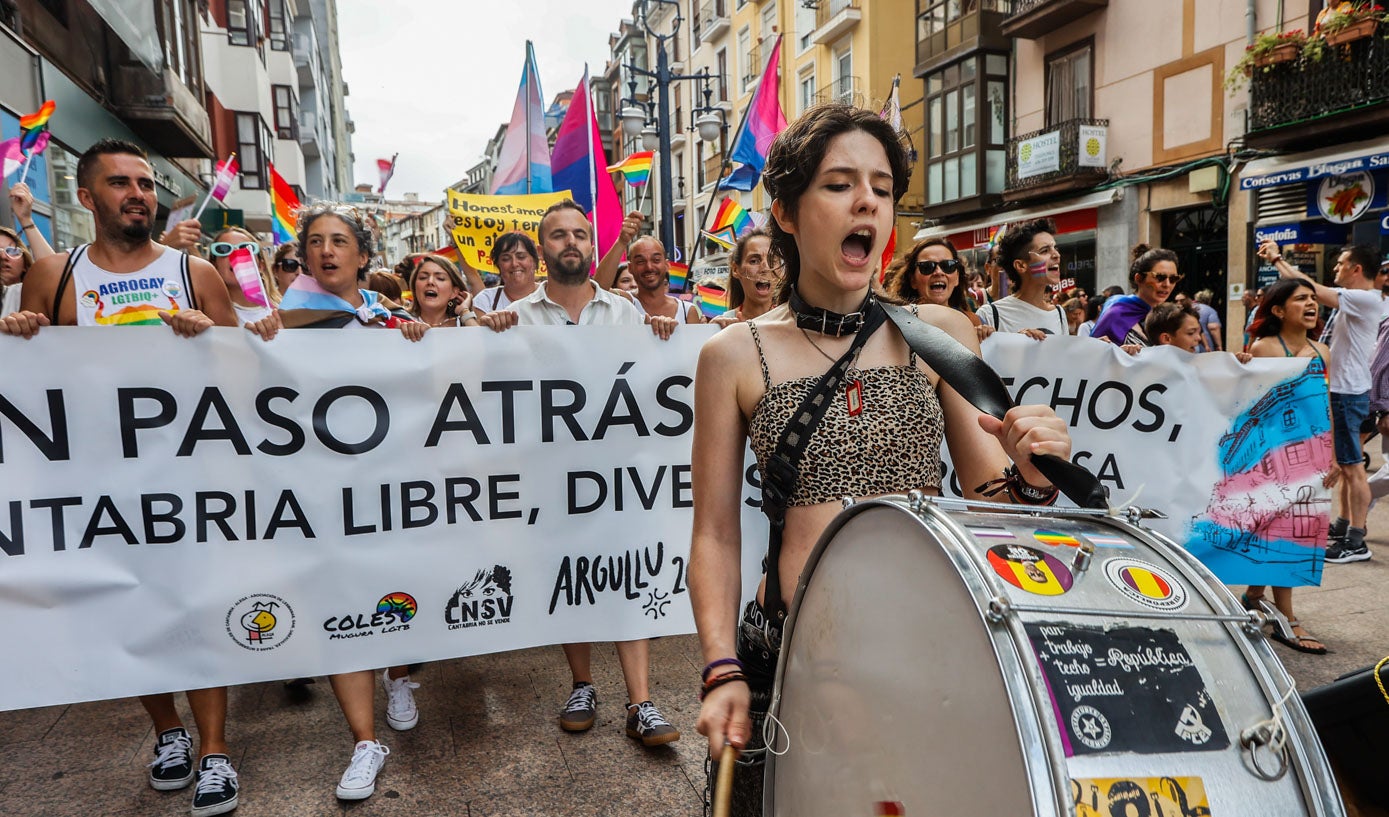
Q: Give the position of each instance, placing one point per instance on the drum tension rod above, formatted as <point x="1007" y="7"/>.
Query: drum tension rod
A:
<point x="1000" y="608"/>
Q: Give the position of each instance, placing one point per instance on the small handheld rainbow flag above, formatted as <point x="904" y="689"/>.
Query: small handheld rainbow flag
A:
<point x="724" y="238"/>
<point x="679" y="275"/>
<point x="713" y="301"/>
<point x="731" y="215"/>
<point x="636" y="169"/>
<point x="33" y="134"/>
<point x="248" y="276"/>
<point x="283" y="204"/>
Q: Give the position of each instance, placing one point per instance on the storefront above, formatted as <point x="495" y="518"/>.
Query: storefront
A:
<point x="1314" y="203"/>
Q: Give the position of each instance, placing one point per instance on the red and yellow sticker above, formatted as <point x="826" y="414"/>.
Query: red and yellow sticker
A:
<point x="1145" y="583"/>
<point x="1106" y="796"/>
<point x="1030" y="569"/>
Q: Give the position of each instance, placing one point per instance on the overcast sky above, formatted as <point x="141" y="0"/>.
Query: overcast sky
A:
<point x="432" y="79"/>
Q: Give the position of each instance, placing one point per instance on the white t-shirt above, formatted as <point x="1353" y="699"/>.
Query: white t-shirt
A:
<point x="11" y="303"/>
<point x="1015" y="315"/>
<point x="249" y="314"/>
<point x="1354" y="327"/>
<point x="606" y="309"/>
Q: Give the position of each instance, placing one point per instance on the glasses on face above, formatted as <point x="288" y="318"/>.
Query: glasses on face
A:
<point x="288" y="265"/>
<point x="13" y="252"/>
<point x="221" y="249"/>
<point x="1162" y="277"/>
<point x="947" y="266"/>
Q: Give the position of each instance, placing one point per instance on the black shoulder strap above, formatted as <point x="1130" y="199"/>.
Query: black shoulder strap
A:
<point x="188" y="280"/>
<point x="998" y="324"/>
<point x="978" y="383"/>
<point x="781" y="475"/>
<point x="63" y="282"/>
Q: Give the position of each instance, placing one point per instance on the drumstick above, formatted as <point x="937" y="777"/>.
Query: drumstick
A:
<point x="723" y="786"/>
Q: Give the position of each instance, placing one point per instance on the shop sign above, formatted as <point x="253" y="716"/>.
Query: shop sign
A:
<point x="1092" y="148"/>
<point x="1041" y="154"/>
<point x="1317" y="170"/>
<point x="1343" y="199"/>
<point x="1282" y="233"/>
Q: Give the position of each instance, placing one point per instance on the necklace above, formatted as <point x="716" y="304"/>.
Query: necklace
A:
<point x="825" y="322"/>
<point x="445" y="322"/>
<point x="853" y="384"/>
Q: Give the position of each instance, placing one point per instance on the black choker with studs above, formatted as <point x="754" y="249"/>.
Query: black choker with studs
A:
<point x="815" y="319"/>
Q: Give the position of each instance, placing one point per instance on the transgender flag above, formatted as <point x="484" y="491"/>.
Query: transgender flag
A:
<point x="764" y="121"/>
<point x="580" y="167"/>
<point x="524" y="164"/>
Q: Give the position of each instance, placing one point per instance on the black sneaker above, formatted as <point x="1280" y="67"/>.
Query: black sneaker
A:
<point x="580" y="710"/>
<point x="172" y="768"/>
<point x="1337" y="530"/>
<point x="216" y="792"/>
<point x="646" y="724"/>
<point x="1348" y="550"/>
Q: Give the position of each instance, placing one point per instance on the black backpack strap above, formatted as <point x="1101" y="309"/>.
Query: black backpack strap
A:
<point x="63" y="282"/>
<point x="780" y="473"/>
<point x="188" y="281"/>
<point x="977" y="382"/>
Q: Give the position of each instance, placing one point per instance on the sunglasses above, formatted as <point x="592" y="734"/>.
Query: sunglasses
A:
<point x="947" y="266"/>
<point x="13" y="252"/>
<point x="288" y="265"/>
<point x="1163" y="277"/>
<point x="221" y="249"/>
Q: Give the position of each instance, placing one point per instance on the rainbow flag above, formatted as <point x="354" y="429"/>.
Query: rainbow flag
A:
<point x="34" y="126"/>
<point x="248" y="276"/>
<point x="679" y="275"/>
<point x="713" y="301"/>
<point x="283" y="204"/>
<point x="763" y="121"/>
<point x="724" y="238"/>
<point x="731" y="216"/>
<point x="636" y="169"/>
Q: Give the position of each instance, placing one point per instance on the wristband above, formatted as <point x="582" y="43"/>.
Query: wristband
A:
<point x="715" y="683"/>
<point x="27" y="226"/>
<point x="722" y="662"/>
<point x="464" y="317"/>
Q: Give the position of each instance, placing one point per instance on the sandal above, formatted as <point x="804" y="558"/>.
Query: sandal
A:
<point x="1286" y="636"/>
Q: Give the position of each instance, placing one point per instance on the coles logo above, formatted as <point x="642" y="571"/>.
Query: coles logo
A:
<point x="1147" y="584"/>
<point x="482" y="601"/>
<point x="392" y="615"/>
<point x="260" y="622"/>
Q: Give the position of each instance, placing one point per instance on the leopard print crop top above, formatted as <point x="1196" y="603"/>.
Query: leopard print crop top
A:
<point x="891" y="446"/>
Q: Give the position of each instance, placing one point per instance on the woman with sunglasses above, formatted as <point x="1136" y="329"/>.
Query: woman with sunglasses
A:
<point x="286" y="266"/>
<point x="933" y="274"/>
<point x="1154" y="275"/>
<point x="15" y="258"/>
<point x="516" y="259"/>
<point x="441" y="296"/>
<point x="756" y="270"/>
<point x="220" y="251"/>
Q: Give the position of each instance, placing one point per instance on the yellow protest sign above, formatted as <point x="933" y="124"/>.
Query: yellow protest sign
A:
<point x="479" y="220"/>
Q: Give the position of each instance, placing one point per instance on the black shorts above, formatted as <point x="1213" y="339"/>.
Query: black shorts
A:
<point x="758" y="647"/>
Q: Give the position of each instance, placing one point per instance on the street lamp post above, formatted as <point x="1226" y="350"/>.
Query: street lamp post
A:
<point x="655" y="132"/>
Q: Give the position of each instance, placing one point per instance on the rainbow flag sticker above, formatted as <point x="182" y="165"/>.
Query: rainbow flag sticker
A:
<point x="402" y="604"/>
<point x="1051" y="537"/>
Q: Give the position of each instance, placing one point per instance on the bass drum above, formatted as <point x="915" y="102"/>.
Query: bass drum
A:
<point x="998" y="662"/>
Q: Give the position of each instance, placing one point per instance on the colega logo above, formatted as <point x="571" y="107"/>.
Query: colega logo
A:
<point x="483" y="600"/>
<point x="260" y="622"/>
<point x="392" y="615"/>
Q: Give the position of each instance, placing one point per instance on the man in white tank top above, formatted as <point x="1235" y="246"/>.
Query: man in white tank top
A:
<point x="646" y="260"/>
<point x="123" y="278"/>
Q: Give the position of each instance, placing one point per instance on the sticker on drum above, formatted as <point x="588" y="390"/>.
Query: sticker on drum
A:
<point x="1055" y="539"/>
<point x="1147" y="584"/>
<point x="1104" y="540"/>
<point x="1106" y="796"/>
<point x="1030" y="569"/>
<point x="1127" y="689"/>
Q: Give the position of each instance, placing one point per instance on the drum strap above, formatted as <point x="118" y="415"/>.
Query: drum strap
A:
<point x="780" y="473"/>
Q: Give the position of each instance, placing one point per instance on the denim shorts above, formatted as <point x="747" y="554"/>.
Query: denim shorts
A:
<point x="1348" y="413"/>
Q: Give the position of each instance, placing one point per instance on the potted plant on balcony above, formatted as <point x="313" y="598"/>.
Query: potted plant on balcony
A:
<point x="1269" y="49"/>
<point x="1348" y="22"/>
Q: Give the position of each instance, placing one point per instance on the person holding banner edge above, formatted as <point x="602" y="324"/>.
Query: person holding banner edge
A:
<point x="18" y="258"/>
<point x="835" y="176"/>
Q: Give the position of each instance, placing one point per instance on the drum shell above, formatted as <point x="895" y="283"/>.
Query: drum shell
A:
<point x="901" y="682"/>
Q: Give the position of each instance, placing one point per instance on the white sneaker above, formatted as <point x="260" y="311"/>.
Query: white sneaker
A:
<point x="359" y="781"/>
<point x="401" y="712"/>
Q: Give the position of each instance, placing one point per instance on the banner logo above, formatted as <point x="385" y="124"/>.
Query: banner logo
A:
<point x="392" y="614"/>
<point x="1147" y="584"/>
<point x="482" y="601"/>
<point x="260" y="622"/>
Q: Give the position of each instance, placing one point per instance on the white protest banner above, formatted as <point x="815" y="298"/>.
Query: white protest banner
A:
<point x="1233" y="454"/>
<point x="179" y="514"/>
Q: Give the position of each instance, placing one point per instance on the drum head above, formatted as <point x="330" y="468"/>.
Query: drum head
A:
<point x="891" y="689"/>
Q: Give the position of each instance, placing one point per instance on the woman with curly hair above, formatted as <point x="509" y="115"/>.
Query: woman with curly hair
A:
<point x="932" y="273"/>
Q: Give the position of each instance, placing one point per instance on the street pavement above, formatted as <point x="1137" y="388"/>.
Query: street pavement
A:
<point x="487" y="743"/>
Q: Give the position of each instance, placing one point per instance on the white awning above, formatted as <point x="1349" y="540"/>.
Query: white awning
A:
<point x="1022" y="214"/>
<point x="1293" y="168"/>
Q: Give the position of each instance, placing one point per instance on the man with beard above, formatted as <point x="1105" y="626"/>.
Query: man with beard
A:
<point x="123" y="278"/>
<point x="647" y="261"/>
<point x="571" y="298"/>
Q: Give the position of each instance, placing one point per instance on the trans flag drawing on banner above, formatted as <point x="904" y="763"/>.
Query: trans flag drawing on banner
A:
<point x="580" y="167"/>
<point x="524" y="163"/>
<point x="764" y="121"/>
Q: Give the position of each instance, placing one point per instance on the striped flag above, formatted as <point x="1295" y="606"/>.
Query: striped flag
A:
<point x="679" y="275"/>
<point x="524" y="163"/>
<point x="386" y="167"/>
<point x="227" y="171"/>
<point x="636" y="169"/>
<point x="283" y="205"/>
<point x="713" y="301"/>
<point x="248" y="276"/>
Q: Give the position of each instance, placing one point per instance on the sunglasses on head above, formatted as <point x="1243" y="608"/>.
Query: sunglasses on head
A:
<point x="947" y="266"/>
<point x="221" y="249"/>
<point x="289" y="264"/>
<point x="1162" y="277"/>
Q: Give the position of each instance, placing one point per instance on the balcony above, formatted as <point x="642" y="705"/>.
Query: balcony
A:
<point x="712" y="165"/>
<point x="755" y="61"/>
<point x="1034" y="18"/>
<point x="308" y="135"/>
<point x="944" y="32"/>
<point x="162" y="110"/>
<point x="713" y="21"/>
<point x="1294" y="105"/>
<point x="1069" y="156"/>
<point x="834" y="19"/>
<point x="848" y="90"/>
<point x="305" y="50"/>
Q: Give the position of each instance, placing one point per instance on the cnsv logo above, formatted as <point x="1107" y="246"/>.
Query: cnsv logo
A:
<point x="260" y="621"/>
<point x="482" y="601"/>
<point x="392" y="615"/>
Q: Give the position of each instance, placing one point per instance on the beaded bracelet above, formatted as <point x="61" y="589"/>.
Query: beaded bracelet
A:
<point x="722" y="662"/>
<point x="718" y="681"/>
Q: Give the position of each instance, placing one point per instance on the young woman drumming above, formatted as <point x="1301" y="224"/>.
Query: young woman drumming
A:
<point x="835" y="176"/>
